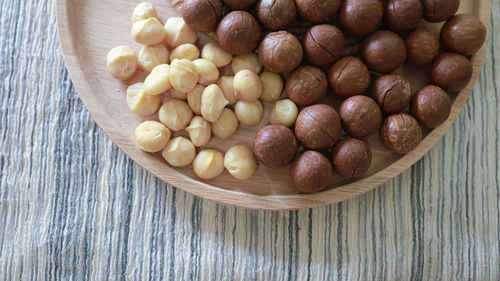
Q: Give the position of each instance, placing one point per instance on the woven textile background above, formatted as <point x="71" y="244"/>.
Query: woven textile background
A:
<point x="74" y="207"/>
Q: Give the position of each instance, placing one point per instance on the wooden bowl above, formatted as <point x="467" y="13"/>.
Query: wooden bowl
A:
<point x="89" y="29"/>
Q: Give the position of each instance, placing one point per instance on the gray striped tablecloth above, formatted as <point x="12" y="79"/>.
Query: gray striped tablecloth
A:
<point x="73" y="206"/>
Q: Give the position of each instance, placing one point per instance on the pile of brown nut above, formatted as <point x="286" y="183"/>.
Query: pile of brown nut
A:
<point x="358" y="43"/>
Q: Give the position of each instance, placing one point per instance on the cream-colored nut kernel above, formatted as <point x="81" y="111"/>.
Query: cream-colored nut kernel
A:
<point x="272" y="86"/>
<point x="194" y="98"/>
<point x="183" y="75"/>
<point x="240" y="162"/>
<point x="208" y="164"/>
<point x="152" y="56"/>
<point x="226" y="125"/>
<point x="152" y="136"/>
<point x="173" y="93"/>
<point x="175" y="114"/>
<point x="207" y="71"/>
<point x="200" y="131"/>
<point x="284" y="113"/>
<point x="144" y="10"/>
<point x="225" y="84"/>
<point x="249" y="113"/>
<point x="179" y="152"/>
<point x="212" y="103"/>
<point x="158" y="81"/>
<point x="148" y="32"/>
<point x="248" y="61"/>
<point x="122" y="62"/>
<point x="178" y="32"/>
<point x="247" y="85"/>
<point x="214" y="53"/>
<point x="185" y="51"/>
<point x="139" y="102"/>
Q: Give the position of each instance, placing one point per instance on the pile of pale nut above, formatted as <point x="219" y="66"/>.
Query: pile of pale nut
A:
<point x="202" y="96"/>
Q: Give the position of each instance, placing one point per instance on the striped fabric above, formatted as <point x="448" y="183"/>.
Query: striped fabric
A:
<point x="74" y="207"/>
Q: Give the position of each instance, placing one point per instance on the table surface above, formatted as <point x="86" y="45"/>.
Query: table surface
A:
<point x="73" y="206"/>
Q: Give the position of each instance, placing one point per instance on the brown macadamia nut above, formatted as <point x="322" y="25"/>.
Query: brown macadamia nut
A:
<point x="464" y="34"/>
<point x="214" y="53"/>
<point x="431" y="106"/>
<point x="179" y="152"/>
<point x="272" y="86"/>
<point x="349" y="77"/>
<point x="194" y="98"/>
<point x="392" y="92"/>
<point x="361" y="17"/>
<point x="152" y="136"/>
<point x="200" y="131"/>
<point x="239" y="4"/>
<point x="152" y="56"/>
<point x="400" y="133"/>
<point x="139" y="102"/>
<point x="142" y="11"/>
<point x="384" y="51"/>
<point x="311" y="172"/>
<point x="452" y="72"/>
<point x="175" y="114"/>
<point x="317" y="10"/>
<point x="323" y="44"/>
<point x="122" y="62"/>
<point x="403" y="15"/>
<point x="207" y="71"/>
<point x="201" y="15"/>
<point x="212" y="103"/>
<point x="351" y="158"/>
<point x="361" y="116"/>
<point x="306" y="85"/>
<point x="225" y="84"/>
<point x="440" y="10"/>
<point x="275" y="146"/>
<point x="183" y="75"/>
<point x="178" y="32"/>
<point x="208" y="164"/>
<point x="284" y="113"/>
<point x="148" y="32"/>
<point x="247" y="61"/>
<point x="276" y="14"/>
<point x="249" y="113"/>
<point x="158" y="81"/>
<point x="240" y="162"/>
<point x="280" y="52"/>
<point x="185" y="51"/>
<point x="226" y="125"/>
<point x="247" y="86"/>
<point x="318" y="126"/>
<point x="422" y="46"/>
<point x="239" y="33"/>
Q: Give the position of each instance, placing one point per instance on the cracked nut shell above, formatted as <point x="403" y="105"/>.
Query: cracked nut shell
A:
<point x="361" y="116"/>
<point x="317" y="10"/>
<point x="400" y="133"/>
<point x="275" y="146"/>
<point x="323" y="44"/>
<point x="349" y="77"/>
<point x="306" y="85"/>
<point x="276" y="14"/>
<point x="384" y="51"/>
<point x="463" y="34"/>
<point x="361" y="17"/>
<point x="280" y="52"/>
<point x="403" y="15"/>
<point x="239" y="33"/>
<point x="452" y="72"/>
<point x="422" y="46"/>
<point x="201" y="15"/>
<point x="239" y="4"/>
<point x="318" y="126"/>
<point x="311" y="172"/>
<point x="351" y="158"/>
<point x="431" y="106"/>
<point x="439" y="10"/>
<point x="392" y="92"/>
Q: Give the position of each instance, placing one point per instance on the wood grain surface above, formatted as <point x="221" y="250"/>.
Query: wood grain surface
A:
<point x="87" y="34"/>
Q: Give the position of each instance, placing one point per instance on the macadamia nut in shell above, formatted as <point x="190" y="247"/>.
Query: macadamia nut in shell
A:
<point x="201" y="15"/>
<point x="280" y="52"/>
<point x="275" y="146"/>
<point x="349" y="77"/>
<point x="400" y="133"/>
<point x="306" y="85"/>
<point x="351" y="158"/>
<point x="239" y="33"/>
<point x="311" y="172"/>
<point x="318" y="126"/>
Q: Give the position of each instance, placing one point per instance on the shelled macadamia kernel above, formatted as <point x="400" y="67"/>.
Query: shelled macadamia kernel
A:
<point x="142" y="11"/>
<point x="139" y="102"/>
<point x="152" y="56"/>
<point x="185" y="51"/>
<point x="122" y="62"/>
<point x="249" y="113"/>
<point x="158" y="81"/>
<point x="173" y="93"/>
<point x="179" y="152"/>
<point x="178" y="32"/>
<point x="247" y="86"/>
<point x="183" y="75"/>
<point x="247" y="61"/>
<point x="152" y="136"/>
<point x="225" y="83"/>
<point x="208" y="164"/>
<point x="207" y="71"/>
<point x="226" y="125"/>
<point x="240" y="162"/>
<point x="200" y="131"/>
<point x="175" y="114"/>
<point x="284" y="113"/>
<point x="212" y="103"/>
<point x="272" y="86"/>
<point x="214" y="53"/>
<point x="194" y="98"/>
<point x="148" y="32"/>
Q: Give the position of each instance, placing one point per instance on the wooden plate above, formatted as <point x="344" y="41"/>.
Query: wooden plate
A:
<point x="89" y="29"/>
